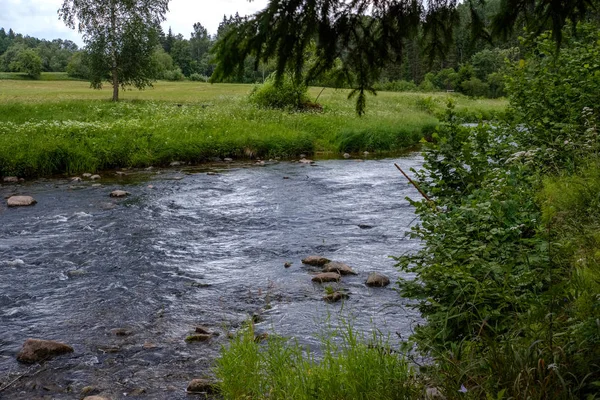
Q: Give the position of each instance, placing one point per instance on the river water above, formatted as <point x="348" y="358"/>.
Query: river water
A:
<point x="201" y="250"/>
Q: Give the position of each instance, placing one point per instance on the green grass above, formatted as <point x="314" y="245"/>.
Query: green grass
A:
<point x="50" y="127"/>
<point x="282" y="369"/>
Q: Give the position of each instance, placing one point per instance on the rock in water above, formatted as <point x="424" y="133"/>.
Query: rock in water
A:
<point x="326" y="277"/>
<point x="87" y="175"/>
<point x="338" y="267"/>
<point x="335" y="297"/>
<point x="198" y="337"/>
<point x="36" y="350"/>
<point x="202" y="386"/>
<point x="377" y="280"/>
<point x="95" y="398"/>
<point x="95" y="177"/>
<point x="346" y="155"/>
<point x="20" y="201"/>
<point x="11" y="179"/>
<point x="119" y="193"/>
<point x="315" y="260"/>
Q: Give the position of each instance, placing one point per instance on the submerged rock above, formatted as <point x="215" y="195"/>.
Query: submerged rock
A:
<point x="203" y="330"/>
<point x="202" y="386"/>
<point x="338" y="267"/>
<point x="36" y="350"/>
<point x="20" y="201"/>
<point x="327" y="277"/>
<point x="377" y="280"/>
<point x="198" y="337"/>
<point x="121" y="332"/>
<point x="315" y="260"/>
<point x="119" y="193"/>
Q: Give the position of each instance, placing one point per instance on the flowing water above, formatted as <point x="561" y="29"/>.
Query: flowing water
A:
<point x="202" y="250"/>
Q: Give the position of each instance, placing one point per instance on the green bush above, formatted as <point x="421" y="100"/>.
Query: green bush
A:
<point x="173" y="75"/>
<point x="29" y="62"/>
<point x="77" y="66"/>
<point x="285" y="94"/>
<point x="198" y="78"/>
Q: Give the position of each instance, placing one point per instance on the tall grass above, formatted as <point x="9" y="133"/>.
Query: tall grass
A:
<point x="64" y="127"/>
<point x="282" y="369"/>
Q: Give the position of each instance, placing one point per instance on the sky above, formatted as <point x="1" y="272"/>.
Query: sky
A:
<point x="38" y="18"/>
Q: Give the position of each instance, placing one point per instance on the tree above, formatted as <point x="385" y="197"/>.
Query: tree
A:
<point x="29" y="62"/>
<point x="367" y="35"/>
<point x="120" y="35"/>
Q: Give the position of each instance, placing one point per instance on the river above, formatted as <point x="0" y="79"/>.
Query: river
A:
<point x="193" y="249"/>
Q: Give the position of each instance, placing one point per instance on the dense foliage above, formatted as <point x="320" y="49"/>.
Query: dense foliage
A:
<point x="54" y="55"/>
<point x="508" y="276"/>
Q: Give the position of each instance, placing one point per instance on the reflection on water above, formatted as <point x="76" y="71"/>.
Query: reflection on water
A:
<point x="206" y="250"/>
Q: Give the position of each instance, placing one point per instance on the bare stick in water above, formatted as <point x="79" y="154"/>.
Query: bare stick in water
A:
<point x="414" y="184"/>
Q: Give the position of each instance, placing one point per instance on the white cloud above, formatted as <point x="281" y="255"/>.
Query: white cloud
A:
<point x="39" y="18"/>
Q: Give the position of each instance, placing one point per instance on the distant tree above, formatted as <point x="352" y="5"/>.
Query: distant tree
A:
<point x="11" y="34"/>
<point x="120" y="36"/>
<point x="168" y="44"/>
<point x="78" y="66"/>
<point x="29" y="62"/>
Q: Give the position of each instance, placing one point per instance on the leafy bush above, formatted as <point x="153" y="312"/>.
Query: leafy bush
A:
<point x="77" y="67"/>
<point x="397" y="86"/>
<point x="284" y="94"/>
<point x="474" y="87"/>
<point x="508" y="276"/>
<point x="198" y="78"/>
<point x="173" y="75"/>
<point x="29" y="62"/>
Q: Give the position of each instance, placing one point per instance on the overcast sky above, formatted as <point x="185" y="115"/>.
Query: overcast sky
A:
<point x="39" y="18"/>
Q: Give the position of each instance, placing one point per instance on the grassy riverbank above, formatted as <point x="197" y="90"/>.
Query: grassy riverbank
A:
<point x="49" y="127"/>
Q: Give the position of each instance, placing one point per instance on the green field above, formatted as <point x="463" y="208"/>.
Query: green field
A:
<point x="60" y="126"/>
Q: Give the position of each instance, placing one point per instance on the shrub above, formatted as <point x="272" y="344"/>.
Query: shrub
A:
<point x="195" y="77"/>
<point x="29" y="62"/>
<point x="77" y="67"/>
<point x="285" y="94"/>
<point x="173" y="75"/>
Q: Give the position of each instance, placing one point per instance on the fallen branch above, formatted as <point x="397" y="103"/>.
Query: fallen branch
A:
<point x="414" y="184"/>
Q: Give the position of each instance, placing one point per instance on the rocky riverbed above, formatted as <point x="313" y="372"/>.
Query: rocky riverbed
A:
<point x="191" y="253"/>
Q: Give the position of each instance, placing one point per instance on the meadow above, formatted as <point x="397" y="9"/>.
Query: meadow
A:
<point x="54" y="126"/>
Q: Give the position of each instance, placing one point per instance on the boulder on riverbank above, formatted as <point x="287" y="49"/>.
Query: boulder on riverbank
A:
<point x="315" y="260"/>
<point x="377" y="280"/>
<point x="327" y="277"/>
<point x="340" y="268"/>
<point x="20" y="201"/>
<point x="10" y="179"/>
<point x="37" y="350"/>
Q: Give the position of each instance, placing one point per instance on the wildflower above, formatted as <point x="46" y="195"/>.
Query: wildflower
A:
<point x="462" y="389"/>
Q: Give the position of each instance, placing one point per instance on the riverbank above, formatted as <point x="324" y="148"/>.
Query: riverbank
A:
<point x="53" y="127"/>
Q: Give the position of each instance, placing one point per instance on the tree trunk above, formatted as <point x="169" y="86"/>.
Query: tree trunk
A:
<point x="115" y="72"/>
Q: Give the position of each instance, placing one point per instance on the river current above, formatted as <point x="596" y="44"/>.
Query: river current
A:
<point x="185" y="249"/>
